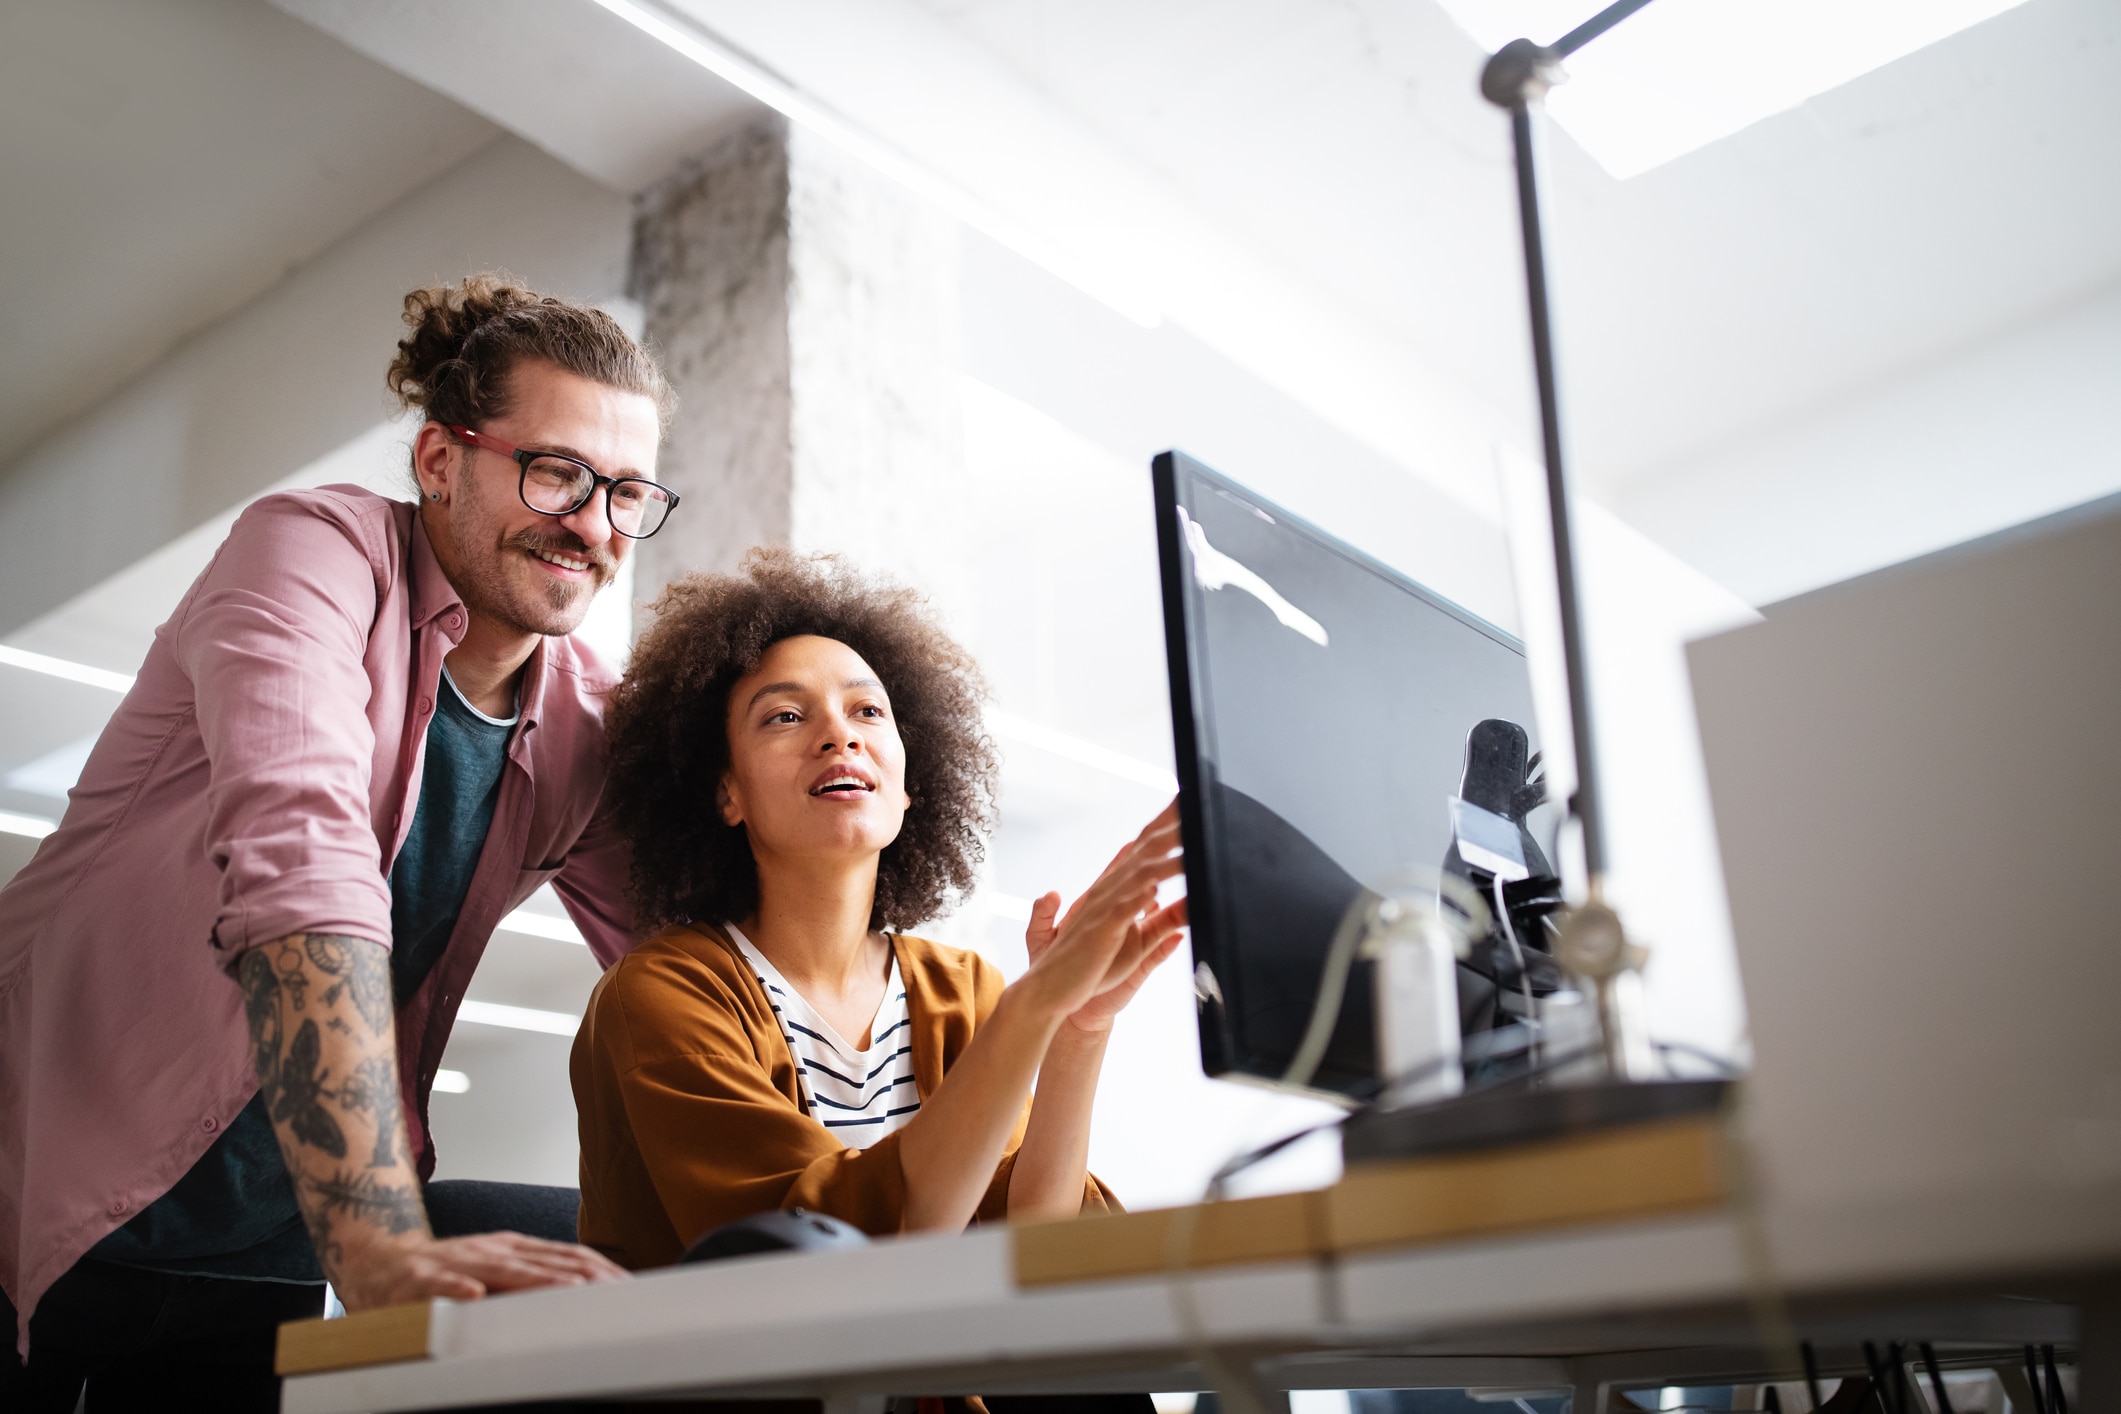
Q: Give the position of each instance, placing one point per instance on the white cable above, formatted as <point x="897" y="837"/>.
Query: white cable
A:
<point x="1524" y="976"/>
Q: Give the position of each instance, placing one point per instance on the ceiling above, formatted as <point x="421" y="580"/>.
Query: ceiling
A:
<point x="165" y="161"/>
<point x="1888" y="223"/>
<point x="1315" y="187"/>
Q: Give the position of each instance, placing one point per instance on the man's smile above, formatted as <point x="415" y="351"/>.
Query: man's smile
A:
<point x="574" y="565"/>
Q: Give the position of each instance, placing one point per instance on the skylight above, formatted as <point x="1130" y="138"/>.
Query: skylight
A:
<point x="1682" y="73"/>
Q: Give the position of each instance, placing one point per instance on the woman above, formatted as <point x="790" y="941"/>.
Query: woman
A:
<point x="798" y="762"/>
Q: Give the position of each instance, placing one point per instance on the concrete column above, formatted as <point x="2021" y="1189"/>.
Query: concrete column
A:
<point x="806" y="311"/>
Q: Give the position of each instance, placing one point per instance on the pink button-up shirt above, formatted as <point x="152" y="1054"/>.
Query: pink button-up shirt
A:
<point x="258" y="781"/>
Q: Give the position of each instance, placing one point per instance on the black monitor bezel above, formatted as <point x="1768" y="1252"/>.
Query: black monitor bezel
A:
<point x="1221" y="1051"/>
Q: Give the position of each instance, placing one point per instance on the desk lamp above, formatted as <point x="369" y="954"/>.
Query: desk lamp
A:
<point x="1592" y="945"/>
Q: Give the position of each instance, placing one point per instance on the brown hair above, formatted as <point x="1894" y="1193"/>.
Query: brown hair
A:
<point x="466" y="338"/>
<point x="668" y="733"/>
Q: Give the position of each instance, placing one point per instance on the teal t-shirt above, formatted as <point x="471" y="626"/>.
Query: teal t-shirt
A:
<point x="233" y="1213"/>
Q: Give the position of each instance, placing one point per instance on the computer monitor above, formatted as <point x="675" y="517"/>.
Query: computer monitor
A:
<point x="1338" y="728"/>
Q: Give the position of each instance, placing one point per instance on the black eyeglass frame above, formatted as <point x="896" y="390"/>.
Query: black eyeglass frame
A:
<point x="523" y="457"/>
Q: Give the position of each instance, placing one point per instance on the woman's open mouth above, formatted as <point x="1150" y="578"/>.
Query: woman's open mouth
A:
<point x="844" y="783"/>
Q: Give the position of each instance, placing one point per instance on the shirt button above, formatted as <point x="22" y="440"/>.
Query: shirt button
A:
<point x="426" y="705"/>
<point x="117" y="1207"/>
<point x="209" y="1124"/>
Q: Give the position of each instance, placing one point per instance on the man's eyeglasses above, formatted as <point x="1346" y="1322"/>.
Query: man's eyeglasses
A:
<point x="554" y="485"/>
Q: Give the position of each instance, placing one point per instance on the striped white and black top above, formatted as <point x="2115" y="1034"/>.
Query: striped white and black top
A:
<point x="860" y="1096"/>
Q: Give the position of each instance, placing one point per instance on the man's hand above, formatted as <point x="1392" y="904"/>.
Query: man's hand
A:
<point x="466" y="1268"/>
<point x="323" y="1038"/>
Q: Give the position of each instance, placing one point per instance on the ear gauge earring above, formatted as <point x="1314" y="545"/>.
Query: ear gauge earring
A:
<point x="434" y="495"/>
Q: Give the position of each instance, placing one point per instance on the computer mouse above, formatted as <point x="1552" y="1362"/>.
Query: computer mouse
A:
<point x="782" y="1230"/>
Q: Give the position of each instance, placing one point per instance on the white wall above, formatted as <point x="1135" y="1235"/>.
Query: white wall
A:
<point x="2026" y="423"/>
<point x="290" y="376"/>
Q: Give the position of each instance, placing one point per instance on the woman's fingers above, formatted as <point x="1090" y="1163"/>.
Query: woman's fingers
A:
<point x="1125" y="894"/>
<point x="1097" y="1013"/>
<point x="1101" y="940"/>
<point x="1153" y="933"/>
<point x="1039" y="932"/>
<point x="1154" y="960"/>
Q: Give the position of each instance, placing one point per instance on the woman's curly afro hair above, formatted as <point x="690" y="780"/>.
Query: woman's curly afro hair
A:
<point x="667" y="728"/>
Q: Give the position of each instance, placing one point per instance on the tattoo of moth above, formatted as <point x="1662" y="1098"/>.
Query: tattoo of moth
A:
<point x="298" y="1087"/>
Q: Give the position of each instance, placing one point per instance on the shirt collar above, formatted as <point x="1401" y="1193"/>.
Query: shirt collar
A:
<point x="434" y="599"/>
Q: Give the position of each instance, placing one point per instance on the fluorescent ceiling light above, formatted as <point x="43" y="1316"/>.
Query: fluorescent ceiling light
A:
<point x="1025" y="732"/>
<point x="1117" y="291"/>
<point x="1682" y="73"/>
<point x="60" y="668"/>
<point x="34" y="826"/>
<point x="57" y="771"/>
<point x="519" y="1018"/>
<point x="451" y="1082"/>
<point x="543" y="925"/>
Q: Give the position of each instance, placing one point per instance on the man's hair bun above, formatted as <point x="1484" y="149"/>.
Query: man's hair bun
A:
<point x="463" y="341"/>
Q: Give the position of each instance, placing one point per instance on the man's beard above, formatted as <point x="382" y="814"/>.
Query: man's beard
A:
<point x="552" y="609"/>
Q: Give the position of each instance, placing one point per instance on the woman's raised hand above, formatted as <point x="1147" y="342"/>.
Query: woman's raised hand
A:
<point x="1090" y="963"/>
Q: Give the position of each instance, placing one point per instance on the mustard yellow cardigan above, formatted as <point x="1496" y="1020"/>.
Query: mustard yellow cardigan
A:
<point x="689" y="1109"/>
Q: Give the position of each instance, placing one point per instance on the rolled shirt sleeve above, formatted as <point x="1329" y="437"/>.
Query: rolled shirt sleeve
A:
<point x="274" y="641"/>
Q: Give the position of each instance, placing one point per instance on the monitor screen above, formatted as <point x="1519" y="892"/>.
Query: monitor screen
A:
<point x="1335" y="724"/>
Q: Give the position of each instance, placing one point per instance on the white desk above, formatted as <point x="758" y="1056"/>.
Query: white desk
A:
<point x="1578" y="1310"/>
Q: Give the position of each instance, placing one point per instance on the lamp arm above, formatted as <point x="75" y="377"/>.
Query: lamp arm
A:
<point x="1517" y="78"/>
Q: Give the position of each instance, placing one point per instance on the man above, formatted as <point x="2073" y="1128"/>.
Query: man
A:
<point x="226" y="980"/>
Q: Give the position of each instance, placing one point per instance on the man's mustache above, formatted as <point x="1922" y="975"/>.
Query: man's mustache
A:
<point x="572" y="546"/>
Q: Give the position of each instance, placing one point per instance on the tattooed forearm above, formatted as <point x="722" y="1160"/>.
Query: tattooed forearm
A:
<point x="360" y="1194"/>
<point x="369" y="987"/>
<point x="321" y="1033"/>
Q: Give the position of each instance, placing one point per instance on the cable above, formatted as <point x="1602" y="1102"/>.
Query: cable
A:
<point x="1332" y="987"/>
<point x="1178" y="1253"/>
<point x="1811" y="1371"/>
<point x="1237" y="1165"/>
<point x="1357" y="925"/>
<point x="2032" y="1380"/>
<point x="1178" y="1247"/>
<point x="1730" y="1068"/>
<point x="2056" y="1404"/>
<point x="1771" y="1314"/>
<point x="1524" y="973"/>
<point x="1929" y="1363"/>
<point x="1193" y="1332"/>
<point x="1879" y="1386"/>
